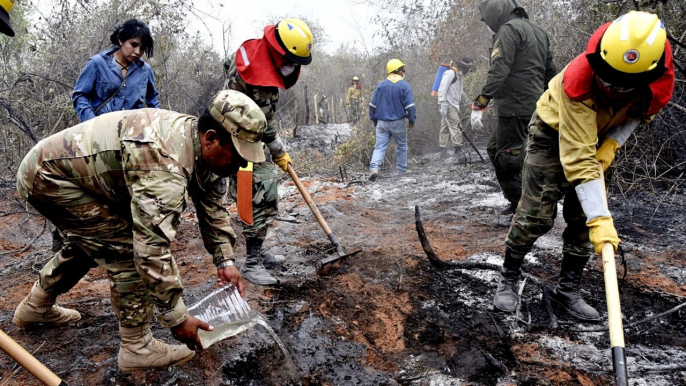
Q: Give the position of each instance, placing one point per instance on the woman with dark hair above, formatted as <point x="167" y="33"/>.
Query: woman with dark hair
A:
<point x="117" y="78"/>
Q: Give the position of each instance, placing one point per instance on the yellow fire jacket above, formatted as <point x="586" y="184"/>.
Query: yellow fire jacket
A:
<point x="582" y="123"/>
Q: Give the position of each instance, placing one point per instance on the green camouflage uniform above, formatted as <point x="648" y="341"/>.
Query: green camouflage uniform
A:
<point x="265" y="178"/>
<point x="544" y="184"/>
<point x="521" y="67"/>
<point x="116" y="186"/>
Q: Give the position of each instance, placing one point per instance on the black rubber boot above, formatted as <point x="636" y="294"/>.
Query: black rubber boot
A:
<point x="269" y="260"/>
<point x="253" y="270"/>
<point x="567" y="293"/>
<point x="506" y="297"/>
<point x="509" y="209"/>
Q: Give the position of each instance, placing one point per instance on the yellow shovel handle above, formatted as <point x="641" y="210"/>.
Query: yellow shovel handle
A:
<point x="614" y="309"/>
<point x="28" y="361"/>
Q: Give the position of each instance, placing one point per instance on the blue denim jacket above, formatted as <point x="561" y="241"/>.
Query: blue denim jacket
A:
<point x="392" y="100"/>
<point x="102" y="77"/>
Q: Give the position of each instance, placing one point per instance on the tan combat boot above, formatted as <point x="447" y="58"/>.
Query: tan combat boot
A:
<point x="140" y="350"/>
<point x="38" y="307"/>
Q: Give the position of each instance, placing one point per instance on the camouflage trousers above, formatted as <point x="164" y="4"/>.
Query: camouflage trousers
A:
<point x="355" y="110"/>
<point x="265" y="200"/>
<point x="506" y="151"/>
<point x="95" y="233"/>
<point x="450" y="134"/>
<point x="544" y="184"/>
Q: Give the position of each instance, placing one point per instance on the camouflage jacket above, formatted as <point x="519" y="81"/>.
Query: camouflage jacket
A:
<point x="149" y="158"/>
<point x="265" y="97"/>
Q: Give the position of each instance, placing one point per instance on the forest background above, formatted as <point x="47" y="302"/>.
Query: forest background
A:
<point x="40" y="66"/>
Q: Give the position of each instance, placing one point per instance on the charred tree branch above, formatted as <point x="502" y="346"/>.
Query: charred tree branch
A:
<point x="18" y="120"/>
<point x="678" y="107"/>
<point x="632" y="369"/>
<point x="30" y="244"/>
<point x="634" y="324"/>
<point x="451" y="264"/>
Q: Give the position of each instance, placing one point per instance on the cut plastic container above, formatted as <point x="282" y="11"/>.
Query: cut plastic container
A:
<point x="227" y="311"/>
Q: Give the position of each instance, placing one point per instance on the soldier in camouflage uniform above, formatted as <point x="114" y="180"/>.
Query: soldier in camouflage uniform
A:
<point x="521" y="66"/>
<point x="590" y="109"/>
<point x="116" y="186"/>
<point x="259" y="68"/>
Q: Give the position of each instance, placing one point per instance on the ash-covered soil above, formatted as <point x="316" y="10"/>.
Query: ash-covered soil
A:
<point x="384" y="316"/>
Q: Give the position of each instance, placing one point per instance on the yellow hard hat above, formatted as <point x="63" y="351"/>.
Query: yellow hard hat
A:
<point x="355" y="78"/>
<point x="634" y="43"/>
<point x="5" y="24"/>
<point x="393" y="65"/>
<point x="295" y="37"/>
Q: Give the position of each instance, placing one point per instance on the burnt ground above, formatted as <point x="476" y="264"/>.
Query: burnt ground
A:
<point x="384" y="316"/>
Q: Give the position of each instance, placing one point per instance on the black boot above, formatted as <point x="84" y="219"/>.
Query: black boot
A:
<point x="506" y="297"/>
<point x="567" y="293"/>
<point x="509" y="209"/>
<point x="269" y="260"/>
<point x="252" y="269"/>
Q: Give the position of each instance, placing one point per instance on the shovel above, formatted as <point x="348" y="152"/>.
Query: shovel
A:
<point x="28" y="361"/>
<point x="315" y="211"/>
<point x="467" y="138"/>
<point x="614" y="311"/>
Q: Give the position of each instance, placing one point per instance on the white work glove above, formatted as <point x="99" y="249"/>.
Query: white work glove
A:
<point x="443" y="110"/>
<point x="601" y="228"/>
<point x="476" y="120"/>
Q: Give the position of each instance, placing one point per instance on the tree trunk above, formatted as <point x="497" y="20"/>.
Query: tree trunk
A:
<point x="316" y="110"/>
<point x="307" y="108"/>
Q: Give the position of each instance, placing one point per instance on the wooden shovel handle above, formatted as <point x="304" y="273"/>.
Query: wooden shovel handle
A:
<point x="308" y="200"/>
<point x="28" y="361"/>
<point x="614" y="310"/>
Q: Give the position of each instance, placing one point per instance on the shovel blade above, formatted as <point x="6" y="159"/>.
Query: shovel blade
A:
<point x="326" y="264"/>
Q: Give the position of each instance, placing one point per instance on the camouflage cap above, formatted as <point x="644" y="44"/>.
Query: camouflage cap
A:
<point x="243" y="119"/>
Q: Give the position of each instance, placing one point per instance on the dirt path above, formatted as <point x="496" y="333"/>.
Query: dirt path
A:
<point x="385" y="316"/>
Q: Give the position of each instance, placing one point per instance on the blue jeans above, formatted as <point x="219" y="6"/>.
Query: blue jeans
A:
<point x="385" y="130"/>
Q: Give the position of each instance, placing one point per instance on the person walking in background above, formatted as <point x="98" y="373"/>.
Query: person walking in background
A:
<point x="625" y="77"/>
<point x="353" y="99"/>
<point x="259" y="69"/>
<point x="117" y="78"/>
<point x="521" y="67"/>
<point x="391" y="104"/>
<point x="450" y="93"/>
<point x="118" y="195"/>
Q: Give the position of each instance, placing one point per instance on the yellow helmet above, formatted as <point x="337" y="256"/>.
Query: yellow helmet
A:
<point x="5" y="24"/>
<point x="393" y="65"/>
<point x="634" y="43"/>
<point x="295" y="38"/>
<point x="355" y="78"/>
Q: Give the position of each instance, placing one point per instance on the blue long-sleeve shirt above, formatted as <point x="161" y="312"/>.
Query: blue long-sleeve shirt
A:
<point x="392" y="100"/>
<point x="101" y="77"/>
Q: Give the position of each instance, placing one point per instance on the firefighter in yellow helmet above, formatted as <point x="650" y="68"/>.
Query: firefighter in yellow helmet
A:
<point x="353" y="98"/>
<point x="625" y="77"/>
<point x="259" y="68"/>
<point x="5" y="23"/>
